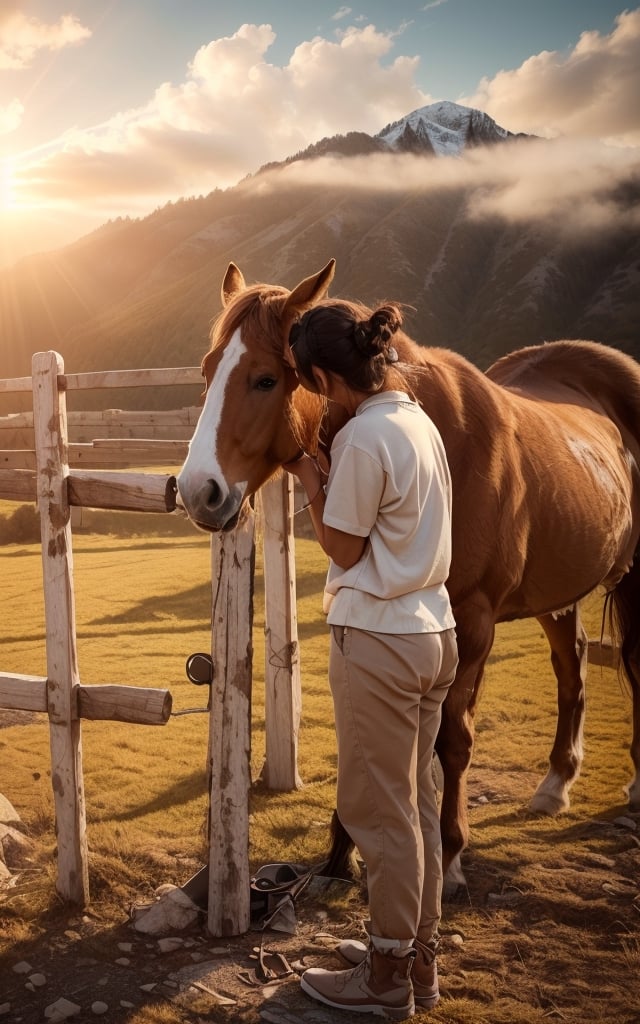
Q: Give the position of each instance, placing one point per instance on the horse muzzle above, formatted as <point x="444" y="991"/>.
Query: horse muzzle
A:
<point x="209" y="507"/>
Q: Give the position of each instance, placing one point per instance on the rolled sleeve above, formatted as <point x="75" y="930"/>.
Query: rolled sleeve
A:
<point x="354" y="491"/>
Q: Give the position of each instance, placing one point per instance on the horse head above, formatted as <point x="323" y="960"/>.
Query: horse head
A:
<point x="250" y="423"/>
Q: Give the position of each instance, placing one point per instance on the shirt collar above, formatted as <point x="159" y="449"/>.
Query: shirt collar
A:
<point x="382" y="397"/>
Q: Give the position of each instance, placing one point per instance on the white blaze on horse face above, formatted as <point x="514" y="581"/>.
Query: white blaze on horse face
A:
<point x="201" y="465"/>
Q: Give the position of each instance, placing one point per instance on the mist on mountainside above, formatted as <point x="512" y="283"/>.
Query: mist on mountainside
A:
<point x="493" y="241"/>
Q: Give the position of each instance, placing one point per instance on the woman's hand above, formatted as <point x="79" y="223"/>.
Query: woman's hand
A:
<point x="308" y="473"/>
<point x="294" y="466"/>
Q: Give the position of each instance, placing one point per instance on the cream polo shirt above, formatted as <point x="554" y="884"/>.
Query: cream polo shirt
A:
<point x="389" y="481"/>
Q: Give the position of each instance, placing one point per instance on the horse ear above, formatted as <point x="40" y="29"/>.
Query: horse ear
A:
<point x="233" y="283"/>
<point x="309" y="291"/>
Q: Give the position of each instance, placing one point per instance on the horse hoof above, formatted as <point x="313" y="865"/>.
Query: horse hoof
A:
<point x="633" y="795"/>
<point x="548" y="804"/>
<point x="455" y="892"/>
<point x="454" y="884"/>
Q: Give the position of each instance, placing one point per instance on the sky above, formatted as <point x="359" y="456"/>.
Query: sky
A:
<point x="114" y="107"/>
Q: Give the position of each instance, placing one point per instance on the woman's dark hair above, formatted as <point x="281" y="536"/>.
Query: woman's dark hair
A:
<point x="350" y="340"/>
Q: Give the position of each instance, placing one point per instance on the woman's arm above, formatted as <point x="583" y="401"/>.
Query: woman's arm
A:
<point x="345" y="549"/>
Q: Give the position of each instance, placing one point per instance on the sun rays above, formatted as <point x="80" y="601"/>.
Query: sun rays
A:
<point x="8" y="196"/>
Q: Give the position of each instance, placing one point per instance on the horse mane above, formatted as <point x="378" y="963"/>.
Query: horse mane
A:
<point x="256" y="311"/>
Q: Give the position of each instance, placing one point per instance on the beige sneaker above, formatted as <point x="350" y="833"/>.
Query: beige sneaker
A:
<point x="380" y="984"/>
<point x="424" y="974"/>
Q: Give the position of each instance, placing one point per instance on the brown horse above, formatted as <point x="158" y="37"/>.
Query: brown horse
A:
<point x="544" y="451"/>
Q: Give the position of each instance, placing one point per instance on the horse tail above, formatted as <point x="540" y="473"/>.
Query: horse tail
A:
<point x="623" y="608"/>
<point x="341" y="861"/>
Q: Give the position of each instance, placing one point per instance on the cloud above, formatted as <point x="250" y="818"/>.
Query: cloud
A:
<point x="22" y="38"/>
<point x="233" y="112"/>
<point x="575" y="185"/>
<point x="434" y="3"/>
<point x="342" y="12"/>
<point x="593" y="91"/>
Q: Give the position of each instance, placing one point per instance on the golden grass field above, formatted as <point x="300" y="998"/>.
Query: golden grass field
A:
<point x="544" y="938"/>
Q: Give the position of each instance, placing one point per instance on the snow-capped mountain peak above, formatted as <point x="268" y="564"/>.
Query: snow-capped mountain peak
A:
<point x="444" y="128"/>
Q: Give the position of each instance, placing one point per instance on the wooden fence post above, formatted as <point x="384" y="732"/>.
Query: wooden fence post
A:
<point x="283" y="697"/>
<point x="52" y="469"/>
<point x="232" y="569"/>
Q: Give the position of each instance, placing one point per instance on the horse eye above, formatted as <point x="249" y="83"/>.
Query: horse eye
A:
<point x="265" y="383"/>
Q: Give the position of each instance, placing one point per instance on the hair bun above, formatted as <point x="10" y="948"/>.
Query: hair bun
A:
<point x="372" y="337"/>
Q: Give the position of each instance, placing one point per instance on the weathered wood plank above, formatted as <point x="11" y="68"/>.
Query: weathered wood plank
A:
<point x="232" y="564"/>
<point x="159" y="377"/>
<point x="20" y="458"/>
<point x="136" y="704"/>
<point x="173" y="448"/>
<point x="139" y="705"/>
<point x="133" y="492"/>
<point x="164" y="376"/>
<point x="15" y="385"/>
<point x="283" y="694"/>
<point x="86" y="455"/>
<point x="23" y="693"/>
<point x="187" y="416"/>
<point x="18" y="484"/>
<point x="62" y="662"/>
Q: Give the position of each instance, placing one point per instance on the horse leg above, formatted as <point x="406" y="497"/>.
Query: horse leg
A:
<point x="569" y="649"/>
<point x="625" y="623"/>
<point x="454" y="744"/>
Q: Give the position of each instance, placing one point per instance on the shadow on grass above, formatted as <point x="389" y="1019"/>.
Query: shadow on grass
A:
<point x="181" y="792"/>
<point x="192" y="605"/>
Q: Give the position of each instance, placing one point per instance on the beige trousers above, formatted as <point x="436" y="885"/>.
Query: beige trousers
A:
<point x="388" y="691"/>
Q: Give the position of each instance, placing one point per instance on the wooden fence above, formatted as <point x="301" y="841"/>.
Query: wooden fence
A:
<point x="47" y="473"/>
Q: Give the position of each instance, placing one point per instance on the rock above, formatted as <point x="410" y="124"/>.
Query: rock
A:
<point x="99" y="1008"/>
<point x="38" y="980"/>
<point x="625" y="822"/>
<point x="8" y="813"/>
<point x="164" y="889"/>
<point x="14" y="846"/>
<point x="168" y="945"/>
<point x="5" y="1008"/>
<point x="62" y="1009"/>
<point x="125" y="947"/>
<point x="123" y="961"/>
<point x="174" y="911"/>
<point x="22" y="968"/>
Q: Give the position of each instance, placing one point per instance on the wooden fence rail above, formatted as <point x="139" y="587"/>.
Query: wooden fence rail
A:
<point x="48" y="475"/>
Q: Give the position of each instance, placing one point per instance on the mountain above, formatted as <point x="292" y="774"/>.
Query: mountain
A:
<point x="440" y="129"/>
<point x="144" y="292"/>
<point x="443" y="129"/>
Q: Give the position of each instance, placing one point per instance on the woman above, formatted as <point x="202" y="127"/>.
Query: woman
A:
<point x="384" y="520"/>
